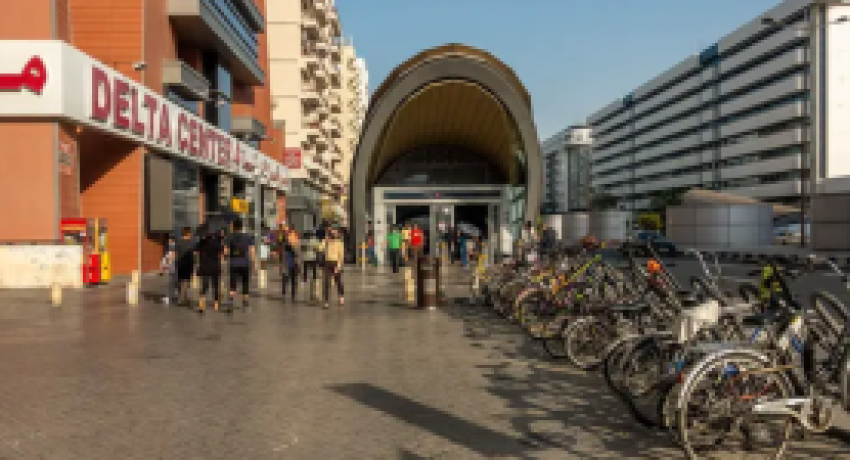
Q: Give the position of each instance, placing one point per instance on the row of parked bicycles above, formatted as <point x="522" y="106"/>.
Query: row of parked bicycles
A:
<point x="729" y="369"/>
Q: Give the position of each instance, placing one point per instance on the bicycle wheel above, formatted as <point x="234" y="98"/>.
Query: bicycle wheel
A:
<point x="845" y="380"/>
<point x="832" y="312"/>
<point x="615" y="362"/>
<point x="715" y="415"/>
<point x="585" y="342"/>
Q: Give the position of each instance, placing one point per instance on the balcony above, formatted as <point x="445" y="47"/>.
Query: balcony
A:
<point x="184" y="80"/>
<point x="310" y="22"/>
<point x="247" y="126"/>
<point x="251" y="13"/>
<point x="213" y="24"/>
<point x="311" y="93"/>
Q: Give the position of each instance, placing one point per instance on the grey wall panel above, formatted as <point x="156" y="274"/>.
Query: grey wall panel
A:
<point x="159" y="194"/>
<point x="711" y="236"/>
<point x="711" y="215"/>
<point x="831" y="208"/>
<point x="720" y="225"/>
<point x="830" y="236"/>
<point x="742" y="236"/>
<point x="679" y="215"/>
<point x="682" y="235"/>
<point x="743" y="214"/>
<point x="576" y="226"/>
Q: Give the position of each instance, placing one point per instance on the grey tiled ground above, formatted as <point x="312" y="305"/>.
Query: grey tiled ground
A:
<point x="97" y="379"/>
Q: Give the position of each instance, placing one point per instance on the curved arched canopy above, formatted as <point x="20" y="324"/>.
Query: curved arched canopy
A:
<point x="452" y="95"/>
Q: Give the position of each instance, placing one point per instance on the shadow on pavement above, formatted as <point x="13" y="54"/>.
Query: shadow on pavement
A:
<point x="484" y="441"/>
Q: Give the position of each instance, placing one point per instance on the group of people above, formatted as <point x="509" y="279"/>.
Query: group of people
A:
<point x="463" y="247"/>
<point x="320" y="251"/>
<point x="404" y="244"/>
<point x="532" y="242"/>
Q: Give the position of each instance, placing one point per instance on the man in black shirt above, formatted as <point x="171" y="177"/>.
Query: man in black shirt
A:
<point x="210" y="252"/>
<point x="243" y="256"/>
<point x="185" y="265"/>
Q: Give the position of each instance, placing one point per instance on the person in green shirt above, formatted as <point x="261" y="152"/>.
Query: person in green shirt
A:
<point x="394" y="247"/>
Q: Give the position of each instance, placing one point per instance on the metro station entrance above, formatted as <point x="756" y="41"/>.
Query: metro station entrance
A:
<point x="441" y="211"/>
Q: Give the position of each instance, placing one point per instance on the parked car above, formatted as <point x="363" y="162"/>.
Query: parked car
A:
<point x="656" y="240"/>
<point x="786" y="236"/>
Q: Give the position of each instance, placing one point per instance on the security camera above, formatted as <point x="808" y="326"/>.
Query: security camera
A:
<point x="140" y="65"/>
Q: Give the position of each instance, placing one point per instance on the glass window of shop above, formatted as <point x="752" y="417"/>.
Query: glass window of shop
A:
<point x="186" y="195"/>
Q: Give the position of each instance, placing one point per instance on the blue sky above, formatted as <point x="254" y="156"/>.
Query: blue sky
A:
<point x="574" y="56"/>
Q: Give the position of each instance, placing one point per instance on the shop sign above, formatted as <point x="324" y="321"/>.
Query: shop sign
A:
<point x="50" y="78"/>
<point x="33" y="77"/>
<point x="240" y="206"/>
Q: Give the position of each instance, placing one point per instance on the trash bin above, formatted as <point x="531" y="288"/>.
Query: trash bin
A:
<point x="428" y="283"/>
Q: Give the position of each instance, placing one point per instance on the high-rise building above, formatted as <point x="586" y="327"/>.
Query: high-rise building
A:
<point x="758" y="114"/>
<point x="566" y="170"/>
<point x="355" y="101"/>
<point x="308" y="79"/>
<point x="151" y="115"/>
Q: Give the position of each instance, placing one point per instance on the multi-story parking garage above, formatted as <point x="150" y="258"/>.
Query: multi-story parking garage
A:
<point x="448" y="142"/>
<point x="756" y="114"/>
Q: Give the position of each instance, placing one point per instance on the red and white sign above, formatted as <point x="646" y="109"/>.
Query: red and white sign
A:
<point x="32" y="77"/>
<point x="50" y="78"/>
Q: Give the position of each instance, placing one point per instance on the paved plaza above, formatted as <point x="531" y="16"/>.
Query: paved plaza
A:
<point x="97" y="379"/>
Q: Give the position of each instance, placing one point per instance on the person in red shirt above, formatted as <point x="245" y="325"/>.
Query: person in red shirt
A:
<point x="417" y="240"/>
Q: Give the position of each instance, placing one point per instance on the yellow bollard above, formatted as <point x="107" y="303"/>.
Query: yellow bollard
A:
<point x="134" y="277"/>
<point x="363" y="247"/>
<point x="56" y="294"/>
<point x="263" y="279"/>
<point x="133" y="293"/>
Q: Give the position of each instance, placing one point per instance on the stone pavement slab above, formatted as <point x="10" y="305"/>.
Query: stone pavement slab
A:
<point x="97" y="379"/>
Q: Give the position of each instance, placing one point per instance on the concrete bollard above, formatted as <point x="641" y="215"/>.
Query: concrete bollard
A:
<point x="56" y="294"/>
<point x="263" y="279"/>
<point x="409" y="284"/>
<point x="316" y="291"/>
<point x="363" y="247"/>
<point x="133" y="293"/>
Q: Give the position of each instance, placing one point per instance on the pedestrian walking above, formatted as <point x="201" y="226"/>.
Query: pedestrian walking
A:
<point x="370" y="250"/>
<point x="417" y="242"/>
<point x="168" y="266"/>
<point x="210" y="254"/>
<point x="309" y="250"/>
<point x="243" y="257"/>
<point x="394" y="247"/>
<point x="334" y="251"/>
<point x="185" y="253"/>
<point x="405" y="244"/>
<point x="464" y="249"/>
<point x="290" y="264"/>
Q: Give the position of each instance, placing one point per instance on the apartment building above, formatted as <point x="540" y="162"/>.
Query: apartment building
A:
<point x="760" y="113"/>
<point x="355" y="102"/>
<point x="308" y="80"/>
<point x="566" y="170"/>
<point x="154" y="123"/>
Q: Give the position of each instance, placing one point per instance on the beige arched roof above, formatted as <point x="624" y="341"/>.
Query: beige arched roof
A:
<point x="449" y="112"/>
<point x="452" y="49"/>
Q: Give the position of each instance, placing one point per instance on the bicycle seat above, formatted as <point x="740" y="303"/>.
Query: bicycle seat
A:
<point x="630" y="306"/>
<point x="762" y="319"/>
<point x="687" y="299"/>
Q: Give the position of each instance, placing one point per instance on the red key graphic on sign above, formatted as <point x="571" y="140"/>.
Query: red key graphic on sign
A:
<point x="32" y="77"/>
